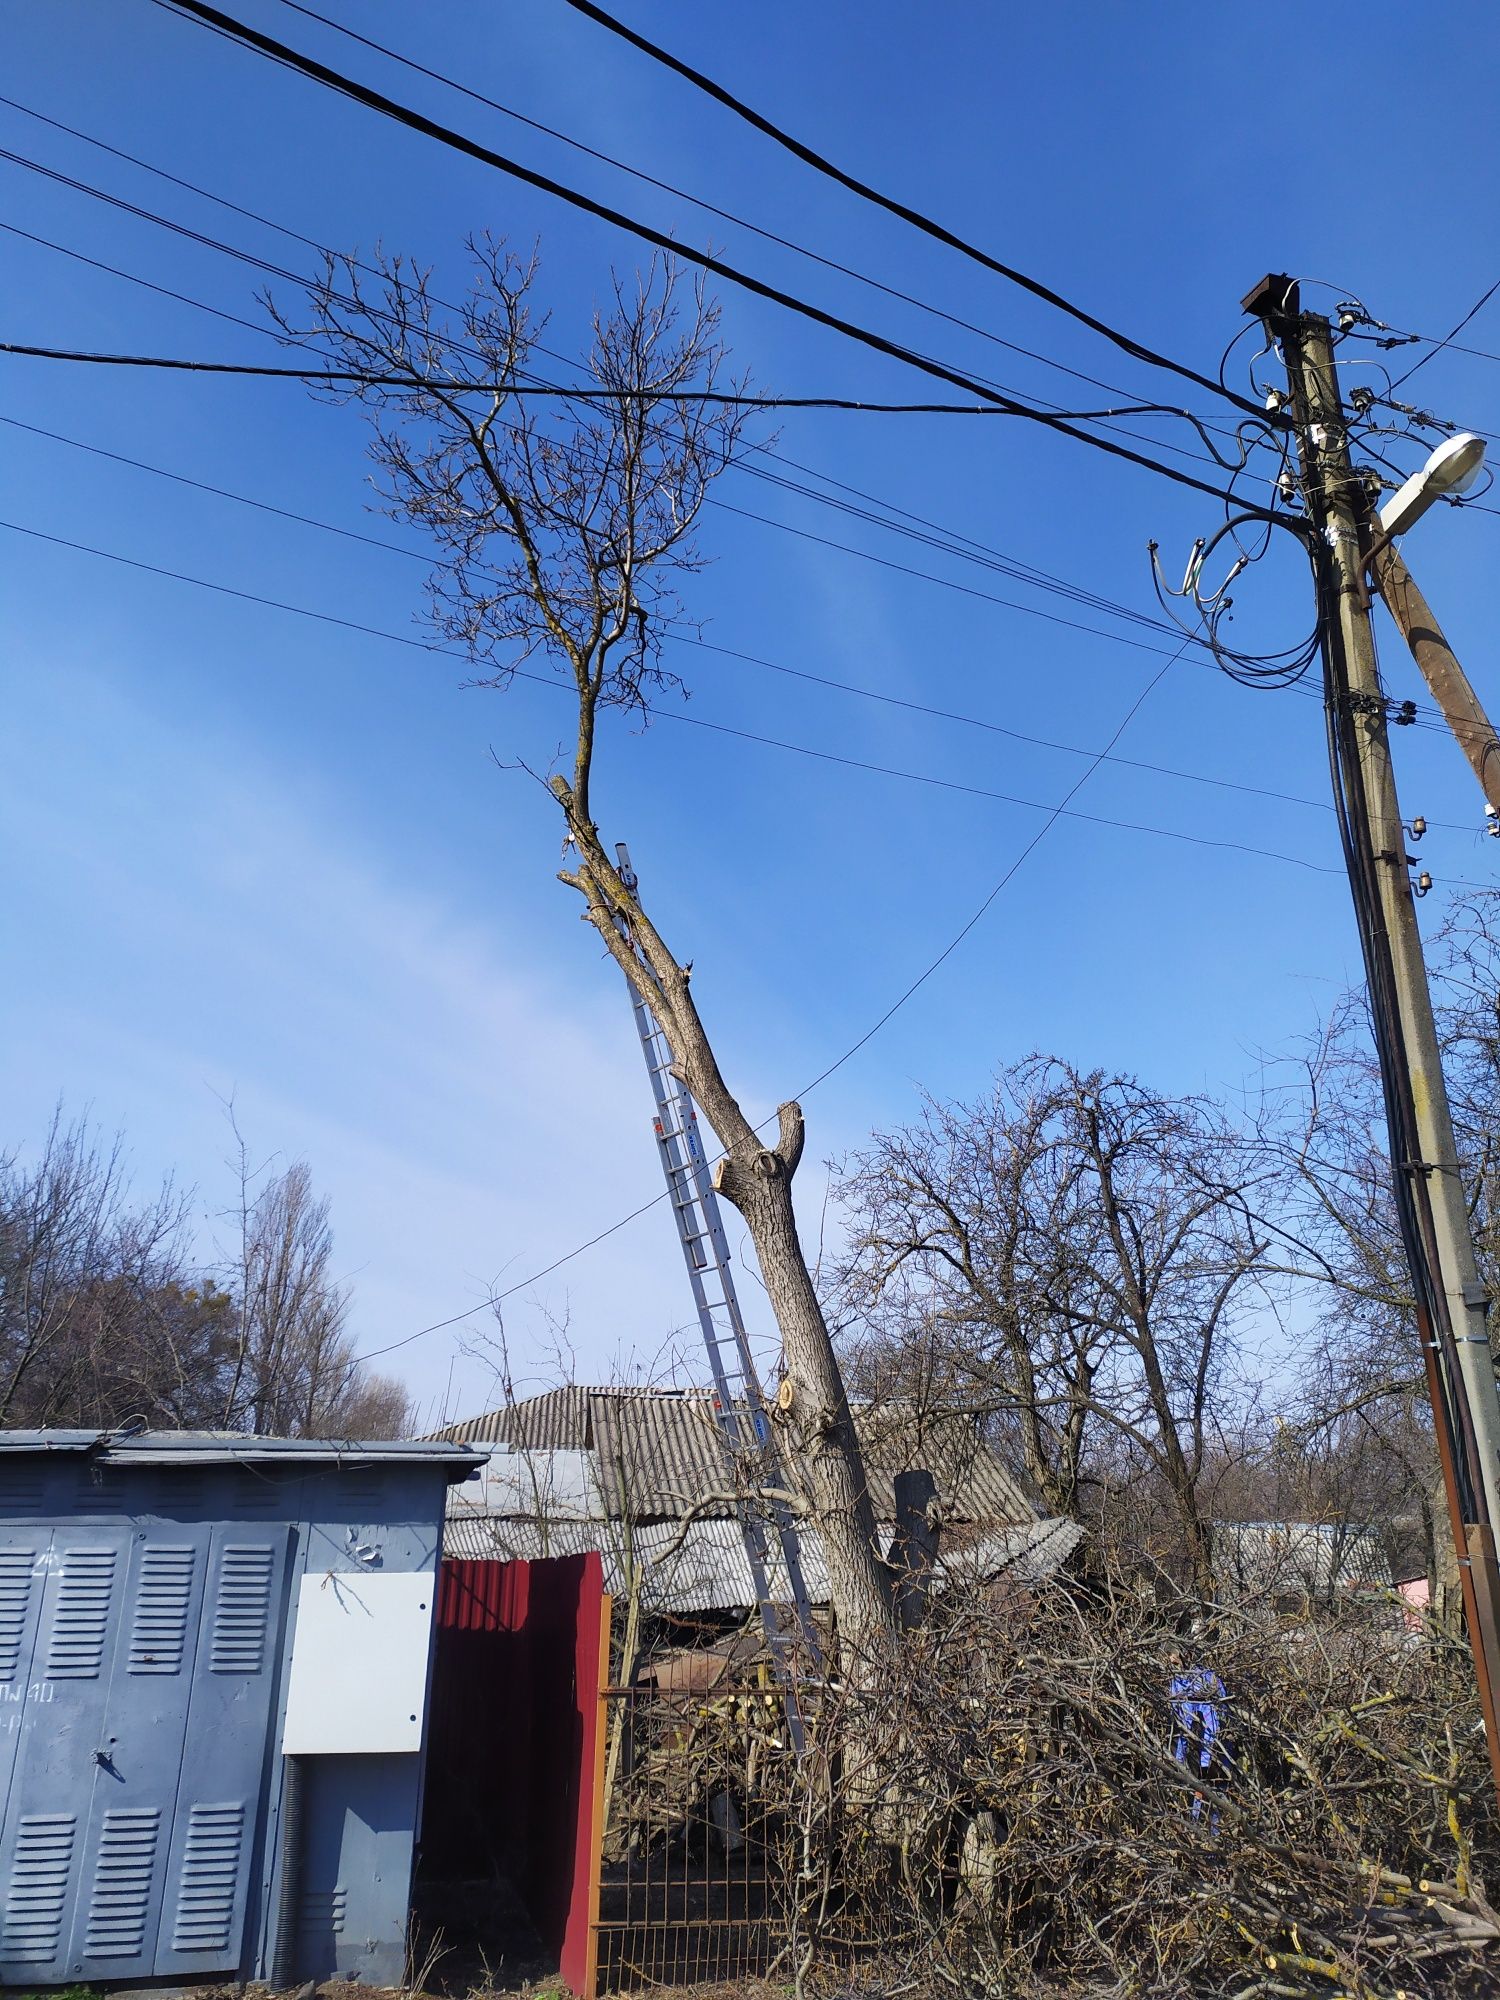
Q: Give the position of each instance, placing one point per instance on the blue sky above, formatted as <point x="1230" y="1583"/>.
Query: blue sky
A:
<point x="253" y="855"/>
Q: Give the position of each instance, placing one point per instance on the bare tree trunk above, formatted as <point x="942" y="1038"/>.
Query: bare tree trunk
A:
<point x="757" y="1179"/>
<point x="820" y="1428"/>
<point x="561" y="535"/>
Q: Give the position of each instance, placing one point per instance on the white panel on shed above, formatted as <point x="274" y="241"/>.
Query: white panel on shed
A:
<point x="359" y="1663"/>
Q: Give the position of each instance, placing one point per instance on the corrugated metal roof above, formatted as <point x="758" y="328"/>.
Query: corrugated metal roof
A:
<point x="659" y="1452"/>
<point x="702" y="1567"/>
<point x="560" y="1419"/>
<point x="973" y="1483"/>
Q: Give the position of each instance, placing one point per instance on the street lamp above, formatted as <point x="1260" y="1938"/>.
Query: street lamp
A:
<point x="1451" y="470"/>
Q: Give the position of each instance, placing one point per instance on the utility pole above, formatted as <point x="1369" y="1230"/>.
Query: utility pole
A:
<point x="1453" y="1312"/>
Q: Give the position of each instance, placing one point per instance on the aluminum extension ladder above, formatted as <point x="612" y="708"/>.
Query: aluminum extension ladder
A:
<point x="739" y="1403"/>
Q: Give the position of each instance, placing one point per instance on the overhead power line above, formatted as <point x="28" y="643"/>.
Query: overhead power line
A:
<point x="279" y="52"/>
<point x="1448" y="339"/>
<point x="1027" y="574"/>
<point x="913" y="526"/>
<point x="1023" y="573"/>
<point x="566" y="392"/>
<point x="1206" y="429"/>
<point x="130" y="277"/>
<point x="896" y="520"/>
<point x="711" y="208"/>
<point x="697" y="201"/>
<point x="666" y="714"/>
<point x="914" y="216"/>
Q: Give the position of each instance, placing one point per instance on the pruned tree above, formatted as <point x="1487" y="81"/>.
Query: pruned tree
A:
<point x="563" y="527"/>
<point x="1081" y="1252"/>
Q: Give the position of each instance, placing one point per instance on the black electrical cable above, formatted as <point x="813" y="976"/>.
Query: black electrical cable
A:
<point x="1412" y="1205"/>
<point x="853" y="688"/>
<point x="948" y="540"/>
<point x="984" y="387"/>
<point x="1204" y="427"/>
<point x="915" y="217"/>
<point x="134" y="278"/>
<point x="1447" y="341"/>
<point x="945" y="540"/>
<point x="1415" y="1231"/>
<point x="697" y="201"/>
<point x="266" y="46"/>
<point x="417" y="385"/>
<point x="1409" y="1183"/>
<point x="971" y="550"/>
<point x="1026" y="574"/>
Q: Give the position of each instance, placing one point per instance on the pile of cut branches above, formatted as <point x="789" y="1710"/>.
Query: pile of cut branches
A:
<point x="1000" y="1809"/>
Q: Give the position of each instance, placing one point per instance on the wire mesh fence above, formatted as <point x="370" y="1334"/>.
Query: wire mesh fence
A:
<point x="697" y="1832"/>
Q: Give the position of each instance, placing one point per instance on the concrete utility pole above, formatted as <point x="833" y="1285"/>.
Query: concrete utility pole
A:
<point x="1339" y="507"/>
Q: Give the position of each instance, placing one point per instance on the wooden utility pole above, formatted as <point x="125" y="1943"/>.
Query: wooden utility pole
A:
<point x="1454" y="1327"/>
<point x="1462" y="708"/>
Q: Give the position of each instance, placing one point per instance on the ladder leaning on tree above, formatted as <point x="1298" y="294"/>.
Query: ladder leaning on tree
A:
<point x="740" y="1410"/>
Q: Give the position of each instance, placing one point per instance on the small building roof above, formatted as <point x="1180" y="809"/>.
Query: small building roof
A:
<point x="640" y="1476"/>
<point x="185" y="1448"/>
<point x="658" y="1454"/>
<point x="694" y="1567"/>
<point x="1311" y="1556"/>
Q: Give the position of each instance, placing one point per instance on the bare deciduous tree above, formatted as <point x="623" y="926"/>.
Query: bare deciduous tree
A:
<point x="562" y="530"/>
<point x="1082" y="1252"/>
<point x="104" y="1315"/>
<point x="95" y="1308"/>
<point x="294" y="1372"/>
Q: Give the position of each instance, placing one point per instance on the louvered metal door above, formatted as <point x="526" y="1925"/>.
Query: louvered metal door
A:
<point x="60" y="1726"/>
<point x="139" y="1747"/>
<point x="224" y="1751"/>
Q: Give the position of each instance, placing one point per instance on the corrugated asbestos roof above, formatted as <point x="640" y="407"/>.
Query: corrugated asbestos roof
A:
<point x="702" y="1567"/>
<point x="557" y="1420"/>
<point x="1280" y="1556"/>
<point x="658" y="1453"/>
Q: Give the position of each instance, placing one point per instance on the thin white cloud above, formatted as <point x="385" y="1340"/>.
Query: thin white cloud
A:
<point x="472" y="1113"/>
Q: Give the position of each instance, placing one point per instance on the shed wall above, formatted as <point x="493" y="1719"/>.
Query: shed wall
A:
<point x="147" y="1625"/>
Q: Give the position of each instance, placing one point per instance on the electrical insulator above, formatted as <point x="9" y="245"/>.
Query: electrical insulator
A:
<point x="1418" y="827"/>
<point x="1491" y="821"/>
<point x="1424" y="883"/>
